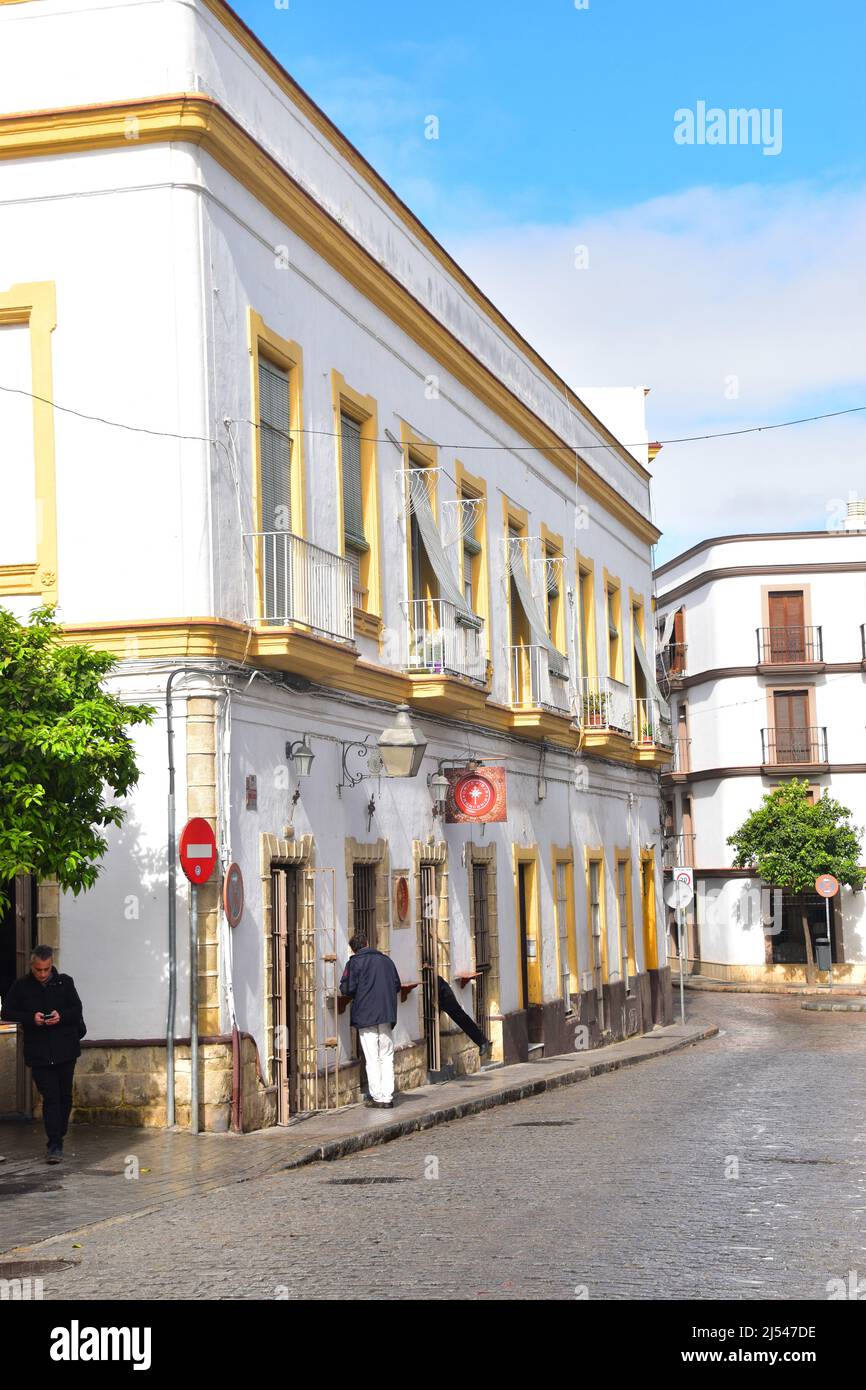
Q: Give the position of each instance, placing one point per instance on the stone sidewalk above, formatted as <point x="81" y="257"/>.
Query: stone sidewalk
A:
<point x="109" y="1174"/>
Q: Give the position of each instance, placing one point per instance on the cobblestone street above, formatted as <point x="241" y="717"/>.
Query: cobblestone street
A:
<point x="735" y="1169"/>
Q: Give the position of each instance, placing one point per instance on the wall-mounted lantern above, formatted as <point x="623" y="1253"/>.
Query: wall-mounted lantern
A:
<point x="301" y="754"/>
<point x="401" y="747"/>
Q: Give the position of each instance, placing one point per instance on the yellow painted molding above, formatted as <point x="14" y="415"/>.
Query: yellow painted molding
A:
<point x="584" y="565"/>
<point x="265" y="343"/>
<point x="199" y="120"/>
<point x="564" y="854"/>
<point x="622" y="855"/>
<point x="470" y="485"/>
<point x="648" y="910"/>
<point x="35" y="305"/>
<point x="534" y="975"/>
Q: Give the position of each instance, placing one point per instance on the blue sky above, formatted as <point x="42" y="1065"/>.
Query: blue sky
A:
<point x="729" y="281"/>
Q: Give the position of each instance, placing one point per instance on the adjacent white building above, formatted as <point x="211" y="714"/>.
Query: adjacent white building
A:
<point x="762" y="653"/>
<point x="302" y="469"/>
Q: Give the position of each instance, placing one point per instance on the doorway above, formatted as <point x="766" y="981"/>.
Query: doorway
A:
<point x="483" y="954"/>
<point x="791" y="711"/>
<point x="787" y="633"/>
<point x="284" y="1002"/>
<point x="17" y="939"/>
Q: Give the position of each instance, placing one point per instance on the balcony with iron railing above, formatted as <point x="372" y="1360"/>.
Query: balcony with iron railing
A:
<point x="790" y="646"/>
<point x="298" y="583"/>
<point x="678" y="850"/>
<point x="671" y="664"/>
<point x="438" y="643"/>
<point x="794" y="747"/>
<point x="604" y="705"/>
<point x="649" y="729"/>
<point x="681" y="764"/>
<point x="533" y="686"/>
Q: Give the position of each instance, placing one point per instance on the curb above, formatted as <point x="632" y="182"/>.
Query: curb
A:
<point x="369" y="1139"/>
<point x="707" y="986"/>
<point x="826" y="1006"/>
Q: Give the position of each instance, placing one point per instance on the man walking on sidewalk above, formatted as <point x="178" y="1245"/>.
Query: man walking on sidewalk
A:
<point x="46" y="1005"/>
<point x="371" y="981"/>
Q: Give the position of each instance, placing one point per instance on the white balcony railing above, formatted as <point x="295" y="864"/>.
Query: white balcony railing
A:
<point x="604" y="704"/>
<point x="437" y="642"/>
<point x="649" y="727"/>
<point x="532" y="685"/>
<point x="296" y="582"/>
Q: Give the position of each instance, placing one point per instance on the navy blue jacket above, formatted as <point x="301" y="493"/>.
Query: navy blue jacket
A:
<point x="46" y="1047"/>
<point x="372" y="983"/>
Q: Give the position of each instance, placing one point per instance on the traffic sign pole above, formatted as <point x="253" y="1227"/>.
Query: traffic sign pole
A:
<point x="827" y="912"/>
<point x="193" y="1009"/>
<point x="680" y="949"/>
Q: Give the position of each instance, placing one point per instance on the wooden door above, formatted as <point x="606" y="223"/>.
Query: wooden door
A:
<point x="787" y="633"/>
<point x="430" y="964"/>
<point x="483" y="954"/>
<point x="283" y="1047"/>
<point x="791" y="709"/>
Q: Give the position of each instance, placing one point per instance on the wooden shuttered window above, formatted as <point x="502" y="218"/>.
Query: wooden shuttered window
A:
<point x="355" y="540"/>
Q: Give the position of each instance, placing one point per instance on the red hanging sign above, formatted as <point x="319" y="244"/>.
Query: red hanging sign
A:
<point x="475" y="794"/>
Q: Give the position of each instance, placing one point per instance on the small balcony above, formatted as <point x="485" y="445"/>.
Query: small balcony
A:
<point x="650" y="730"/>
<point x="300" y="584"/>
<point x="678" y="851"/>
<point x="681" y="764"/>
<point x="437" y="643"/>
<point x="671" y="665"/>
<point x="532" y="684"/>
<point x="796" y="648"/>
<point x="604" y="705"/>
<point x="794" y="748"/>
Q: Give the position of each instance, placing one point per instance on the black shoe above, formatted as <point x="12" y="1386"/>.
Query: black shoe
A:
<point x="385" y="1104"/>
<point x="370" y="1103"/>
<point x="55" y="1153"/>
<point x="485" y="1049"/>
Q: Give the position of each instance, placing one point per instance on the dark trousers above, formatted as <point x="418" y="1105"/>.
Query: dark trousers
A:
<point x="449" y="1005"/>
<point x="55" y="1087"/>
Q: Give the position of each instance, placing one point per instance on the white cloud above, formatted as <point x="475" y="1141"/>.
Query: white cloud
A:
<point x="687" y="293"/>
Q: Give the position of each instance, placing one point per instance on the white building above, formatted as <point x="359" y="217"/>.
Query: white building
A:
<point x="303" y="468"/>
<point x="762" y="652"/>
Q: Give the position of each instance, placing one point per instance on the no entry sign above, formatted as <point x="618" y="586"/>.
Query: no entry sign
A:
<point x="198" y="851"/>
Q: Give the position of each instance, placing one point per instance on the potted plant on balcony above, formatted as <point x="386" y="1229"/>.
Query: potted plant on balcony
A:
<point x="594" y="710"/>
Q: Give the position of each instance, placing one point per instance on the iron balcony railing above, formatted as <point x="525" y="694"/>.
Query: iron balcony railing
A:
<point x="682" y="761"/>
<point x="779" y="646"/>
<point x="604" y="703"/>
<point x="784" y="746"/>
<point x="671" y="661"/>
<point x="437" y="642"/>
<point x="649" y="727"/>
<point x="297" y="582"/>
<point x="678" y="850"/>
<point x="532" y="684"/>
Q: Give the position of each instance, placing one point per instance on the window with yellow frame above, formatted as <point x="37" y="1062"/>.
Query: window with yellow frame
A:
<point x="613" y="606"/>
<point x="625" y="920"/>
<point x="563" y="898"/>
<point x="356" y="431"/>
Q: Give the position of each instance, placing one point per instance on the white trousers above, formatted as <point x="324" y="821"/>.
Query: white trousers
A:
<point x="378" y="1045"/>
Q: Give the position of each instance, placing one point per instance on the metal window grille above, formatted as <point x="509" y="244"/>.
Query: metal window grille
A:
<point x="481" y="933"/>
<point x="622" y="905"/>
<point x="562" y="924"/>
<point x="430" y="964"/>
<point x="364" y="901"/>
<point x="595" y="932"/>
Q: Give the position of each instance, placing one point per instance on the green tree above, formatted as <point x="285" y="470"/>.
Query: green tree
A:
<point x="65" y="754"/>
<point x="789" y="840"/>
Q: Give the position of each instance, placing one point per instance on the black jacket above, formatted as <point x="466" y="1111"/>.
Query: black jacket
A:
<point x="372" y="983"/>
<point x="45" y="1047"/>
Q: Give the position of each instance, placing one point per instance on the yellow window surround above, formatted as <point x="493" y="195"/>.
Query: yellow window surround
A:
<point x="361" y="409"/>
<point x="564" y="854"/>
<point x="288" y="355"/>
<point x="470" y="486"/>
<point x="528" y="856"/>
<point x="595" y="855"/>
<point x="423" y="454"/>
<point x="552" y="549"/>
<point x="613" y="613"/>
<point x="586" y="612"/>
<point x="648" y="910"/>
<point x="35" y="306"/>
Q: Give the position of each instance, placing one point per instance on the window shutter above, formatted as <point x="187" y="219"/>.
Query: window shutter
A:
<point x="275" y="448"/>
<point x="353" y="508"/>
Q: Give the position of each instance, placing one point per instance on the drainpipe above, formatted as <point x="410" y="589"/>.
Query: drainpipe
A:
<point x="172" y="912"/>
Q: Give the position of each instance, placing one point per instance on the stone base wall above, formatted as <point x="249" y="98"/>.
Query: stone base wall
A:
<point x="846" y="973"/>
<point x="124" y="1084"/>
<point x="8" y="1064"/>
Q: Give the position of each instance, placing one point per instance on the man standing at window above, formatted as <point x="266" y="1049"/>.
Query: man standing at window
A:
<point x="371" y="981"/>
<point x="46" y="1005"/>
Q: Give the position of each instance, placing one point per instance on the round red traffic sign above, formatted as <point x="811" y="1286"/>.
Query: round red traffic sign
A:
<point x="827" y="885"/>
<point x="233" y="894"/>
<point x="197" y="849"/>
